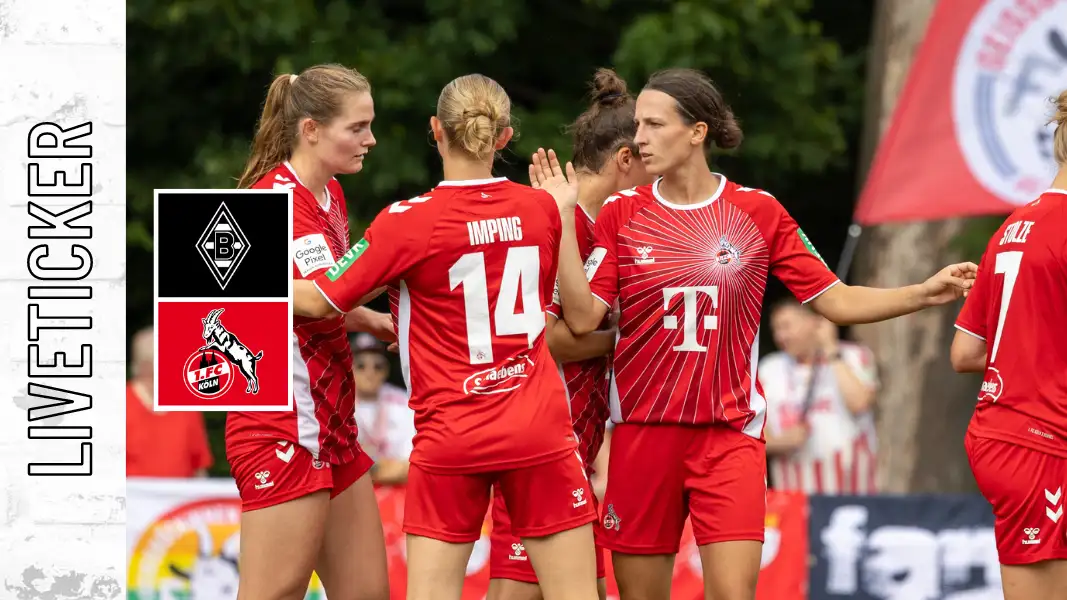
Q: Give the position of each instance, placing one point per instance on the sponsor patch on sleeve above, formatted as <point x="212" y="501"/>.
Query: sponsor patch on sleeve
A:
<point x="346" y="261"/>
<point x="807" y="244"/>
<point x="311" y="253"/>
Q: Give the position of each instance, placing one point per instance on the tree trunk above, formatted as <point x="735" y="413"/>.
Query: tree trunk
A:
<point x="923" y="406"/>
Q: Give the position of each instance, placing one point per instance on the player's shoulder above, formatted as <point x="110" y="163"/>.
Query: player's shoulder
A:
<point x="415" y="213"/>
<point x="336" y="191"/>
<point x="281" y="177"/>
<point x="529" y="196"/>
<point x="750" y="199"/>
<point x="624" y="203"/>
<point x="1050" y="206"/>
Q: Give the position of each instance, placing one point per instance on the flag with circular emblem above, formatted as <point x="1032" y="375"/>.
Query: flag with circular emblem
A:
<point x="970" y="133"/>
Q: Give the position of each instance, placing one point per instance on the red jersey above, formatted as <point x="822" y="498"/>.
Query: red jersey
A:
<point x="690" y="280"/>
<point x="474" y="262"/>
<point x="587" y="380"/>
<point x="324" y="398"/>
<point x="1017" y="308"/>
<point x="394" y="304"/>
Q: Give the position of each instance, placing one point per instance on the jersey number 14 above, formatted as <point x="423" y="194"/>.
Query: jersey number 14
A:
<point x="522" y="274"/>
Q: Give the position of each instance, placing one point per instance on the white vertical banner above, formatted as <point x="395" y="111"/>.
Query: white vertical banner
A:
<point x="63" y="299"/>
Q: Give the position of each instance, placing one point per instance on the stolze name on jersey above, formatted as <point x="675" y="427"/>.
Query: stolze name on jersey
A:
<point x="50" y="149"/>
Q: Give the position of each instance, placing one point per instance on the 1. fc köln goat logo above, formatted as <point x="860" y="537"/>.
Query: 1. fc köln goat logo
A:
<point x="224" y="356"/>
<point x="210" y="370"/>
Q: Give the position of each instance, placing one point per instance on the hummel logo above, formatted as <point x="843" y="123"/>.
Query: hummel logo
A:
<point x="263" y="483"/>
<point x="1031" y="533"/>
<point x="287" y="454"/>
<point x="644" y="252"/>
<point x="1054" y="500"/>
<point x="283" y="183"/>
<point x="399" y="206"/>
<point x="1055" y="516"/>
<point x="517" y="550"/>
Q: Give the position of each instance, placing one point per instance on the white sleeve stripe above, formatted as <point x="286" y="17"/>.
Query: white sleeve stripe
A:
<point x="327" y="298"/>
<point x="970" y="333"/>
<point x="821" y="292"/>
<point x="606" y="303"/>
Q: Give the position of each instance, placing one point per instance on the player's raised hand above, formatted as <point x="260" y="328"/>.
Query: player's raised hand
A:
<point x="952" y="282"/>
<point x="547" y="174"/>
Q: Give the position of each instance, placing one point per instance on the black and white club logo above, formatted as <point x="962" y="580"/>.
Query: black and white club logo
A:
<point x="223" y="246"/>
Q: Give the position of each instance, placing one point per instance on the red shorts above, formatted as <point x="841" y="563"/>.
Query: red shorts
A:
<point x="660" y="474"/>
<point x="507" y="555"/>
<point x="544" y="499"/>
<point x="1027" y="490"/>
<point x="275" y="472"/>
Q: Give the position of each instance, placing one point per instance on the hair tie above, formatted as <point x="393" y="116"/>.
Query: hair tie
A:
<point x="610" y="96"/>
<point x="292" y="79"/>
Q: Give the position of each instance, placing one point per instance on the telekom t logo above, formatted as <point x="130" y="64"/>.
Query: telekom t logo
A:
<point x="689" y="314"/>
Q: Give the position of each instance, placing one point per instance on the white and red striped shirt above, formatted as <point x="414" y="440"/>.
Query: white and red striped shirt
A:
<point x="839" y="456"/>
<point x="386" y="424"/>
<point x="324" y="394"/>
<point x="690" y="280"/>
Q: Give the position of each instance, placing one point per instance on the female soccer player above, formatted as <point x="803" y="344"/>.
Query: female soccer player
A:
<point x="1012" y="329"/>
<point x="687" y="258"/>
<point x="302" y="476"/>
<point x="605" y="158"/>
<point x="474" y="260"/>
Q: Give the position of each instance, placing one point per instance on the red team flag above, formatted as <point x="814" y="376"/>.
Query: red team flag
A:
<point x="969" y="135"/>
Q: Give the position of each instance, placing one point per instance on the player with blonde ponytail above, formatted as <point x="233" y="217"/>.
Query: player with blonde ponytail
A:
<point x="1012" y="330"/>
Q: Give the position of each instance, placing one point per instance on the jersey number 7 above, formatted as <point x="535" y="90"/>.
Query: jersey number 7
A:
<point x="522" y="269"/>
<point x="1007" y="264"/>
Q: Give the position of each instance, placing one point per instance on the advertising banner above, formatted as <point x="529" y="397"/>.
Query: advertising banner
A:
<point x="903" y="548"/>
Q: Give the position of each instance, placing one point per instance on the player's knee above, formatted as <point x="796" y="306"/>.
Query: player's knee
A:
<point x="634" y="588"/>
<point x="733" y="588"/>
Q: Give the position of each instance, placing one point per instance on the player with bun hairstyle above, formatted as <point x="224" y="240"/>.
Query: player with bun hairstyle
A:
<point x="474" y="260"/>
<point x="302" y="476"/>
<point x="1012" y="329"/>
<point x="687" y="258"/>
<point x="606" y="161"/>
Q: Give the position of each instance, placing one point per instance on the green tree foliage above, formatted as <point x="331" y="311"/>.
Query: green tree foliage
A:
<point x="199" y="69"/>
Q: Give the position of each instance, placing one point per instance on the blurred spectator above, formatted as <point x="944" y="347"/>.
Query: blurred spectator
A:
<point x="386" y="423"/>
<point x="159" y="444"/>
<point x="820" y="395"/>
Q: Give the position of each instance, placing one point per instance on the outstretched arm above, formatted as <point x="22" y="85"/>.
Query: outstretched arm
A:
<point x="309" y="302"/>
<point x="853" y="304"/>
